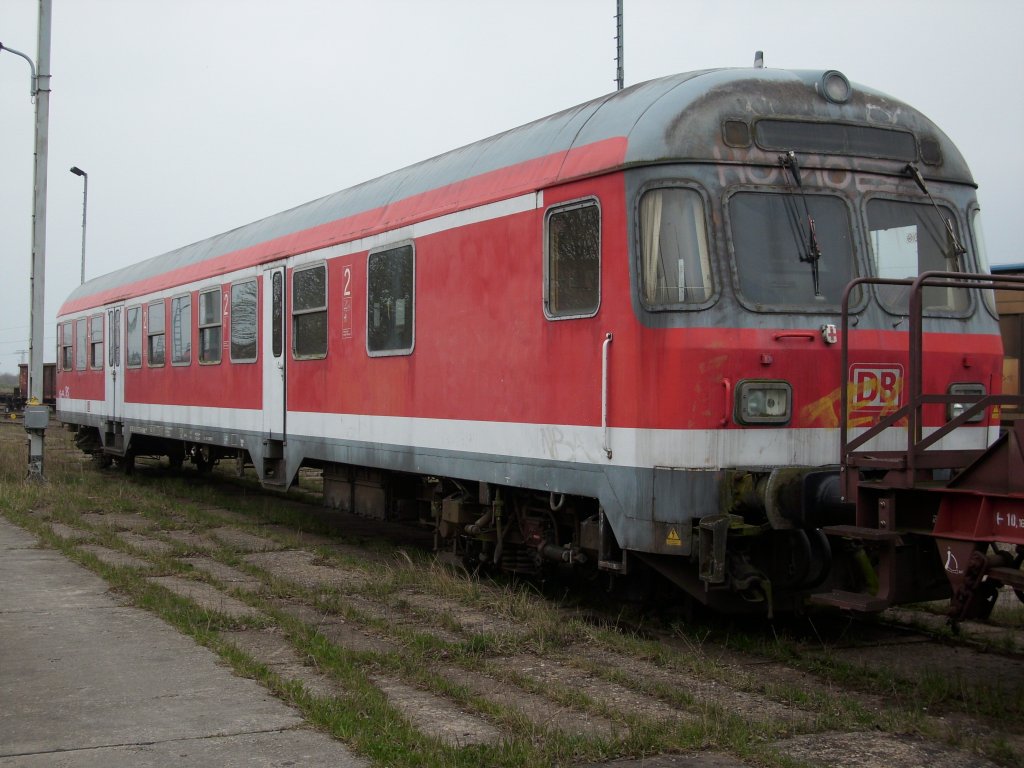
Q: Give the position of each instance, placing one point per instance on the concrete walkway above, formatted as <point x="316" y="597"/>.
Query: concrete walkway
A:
<point x="88" y="682"/>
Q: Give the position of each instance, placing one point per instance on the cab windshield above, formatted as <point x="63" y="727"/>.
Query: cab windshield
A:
<point x="770" y="241"/>
<point x="907" y="239"/>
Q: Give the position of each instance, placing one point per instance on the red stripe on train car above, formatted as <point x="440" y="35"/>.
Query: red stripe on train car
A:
<point x="468" y="193"/>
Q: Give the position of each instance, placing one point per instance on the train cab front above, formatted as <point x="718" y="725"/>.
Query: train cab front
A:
<point x="818" y="303"/>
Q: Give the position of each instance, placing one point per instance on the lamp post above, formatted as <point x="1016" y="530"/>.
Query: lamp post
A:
<point x="37" y="415"/>
<point x="85" y="207"/>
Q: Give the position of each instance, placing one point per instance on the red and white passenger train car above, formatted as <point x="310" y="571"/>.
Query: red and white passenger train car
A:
<point x="611" y="337"/>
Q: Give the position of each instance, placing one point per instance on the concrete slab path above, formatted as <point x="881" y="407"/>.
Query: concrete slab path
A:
<point x="87" y="682"/>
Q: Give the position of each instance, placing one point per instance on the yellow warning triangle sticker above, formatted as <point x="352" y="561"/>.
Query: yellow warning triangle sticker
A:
<point x="673" y="539"/>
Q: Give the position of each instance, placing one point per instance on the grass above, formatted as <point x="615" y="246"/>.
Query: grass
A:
<point x="845" y="696"/>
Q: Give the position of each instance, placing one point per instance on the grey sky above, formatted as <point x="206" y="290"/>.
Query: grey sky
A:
<point x="193" y="117"/>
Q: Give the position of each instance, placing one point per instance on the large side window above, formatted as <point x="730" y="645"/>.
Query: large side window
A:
<point x="390" y="301"/>
<point x="67" y="347"/>
<point x="181" y="330"/>
<point x="156" y="341"/>
<point x="674" y="264"/>
<point x="243" y="322"/>
<point x="96" y="342"/>
<point x="209" y="326"/>
<point x="309" y="312"/>
<point x="81" y="343"/>
<point x="572" y="278"/>
<point x="133" y="319"/>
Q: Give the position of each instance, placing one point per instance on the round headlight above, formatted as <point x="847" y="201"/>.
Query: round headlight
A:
<point x="835" y="87"/>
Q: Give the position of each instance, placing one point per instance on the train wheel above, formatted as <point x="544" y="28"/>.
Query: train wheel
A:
<point x="176" y="459"/>
<point x="1017" y="562"/>
<point x="101" y="460"/>
<point x="203" y="459"/>
<point x="127" y="463"/>
<point x="1012" y="560"/>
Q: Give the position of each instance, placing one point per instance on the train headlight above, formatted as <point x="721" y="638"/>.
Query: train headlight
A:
<point x="955" y="409"/>
<point x="763" y="402"/>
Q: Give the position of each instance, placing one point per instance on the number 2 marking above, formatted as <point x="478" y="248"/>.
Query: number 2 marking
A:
<point x="347" y="291"/>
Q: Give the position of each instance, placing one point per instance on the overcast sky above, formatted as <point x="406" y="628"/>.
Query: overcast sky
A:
<point x="193" y="117"/>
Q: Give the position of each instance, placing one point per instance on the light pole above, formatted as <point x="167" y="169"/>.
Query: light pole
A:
<point x="37" y="415"/>
<point x="85" y="207"/>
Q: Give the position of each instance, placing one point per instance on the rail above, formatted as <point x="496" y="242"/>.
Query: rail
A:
<point x="917" y="455"/>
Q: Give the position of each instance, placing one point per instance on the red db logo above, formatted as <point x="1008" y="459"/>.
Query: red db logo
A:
<point x="876" y="387"/>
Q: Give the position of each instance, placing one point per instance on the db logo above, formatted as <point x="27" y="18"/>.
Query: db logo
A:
<point x="876" y="387"/>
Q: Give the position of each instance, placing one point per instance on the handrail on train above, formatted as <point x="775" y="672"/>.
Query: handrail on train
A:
<point x="916" y="456"/>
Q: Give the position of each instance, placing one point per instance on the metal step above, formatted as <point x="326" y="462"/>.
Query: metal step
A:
<point x="274" y="474"/>
<point x="860" y="602"/>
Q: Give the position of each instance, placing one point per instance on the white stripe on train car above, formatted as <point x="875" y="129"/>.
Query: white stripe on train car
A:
<point x="705" y="449"/>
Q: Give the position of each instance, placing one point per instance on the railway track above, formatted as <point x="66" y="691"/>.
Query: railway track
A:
<point x="374" y="640"/>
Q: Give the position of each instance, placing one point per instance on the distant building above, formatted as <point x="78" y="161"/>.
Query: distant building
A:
<point x="1010" y="305"/>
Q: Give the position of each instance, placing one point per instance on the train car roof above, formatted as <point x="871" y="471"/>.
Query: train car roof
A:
<point x="671" y="119"/>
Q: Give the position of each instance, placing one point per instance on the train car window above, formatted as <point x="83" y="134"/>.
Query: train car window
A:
<point x="96" y="342"/>
<point x="907" y="239"/>
<point x="572" y="279"/>
<point x="771" y="238"/>
<point x="277" y="314"/>
<point x="112" y="347"/>
<point x="391" y="301"/>
<point x="210" y="333"/>
<point x="675" y="267"/>
<point x="244" y="322"/>
<point x="81" y="344"/>
<point x="309" y="312"/>
<point x="133" y="320"/>
<point x="981" y="250"/>
<point x="836" y="139"/>
<point x="156" y="341"/>
<point x="181" y="330"/>
<point x="67" y="361"/>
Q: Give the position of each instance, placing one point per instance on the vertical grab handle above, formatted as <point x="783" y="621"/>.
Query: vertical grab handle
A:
<point x="727" y="384"/>
<point x="604" y="394"/>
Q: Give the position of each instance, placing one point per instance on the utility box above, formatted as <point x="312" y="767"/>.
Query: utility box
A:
<point x="37" y="416"/>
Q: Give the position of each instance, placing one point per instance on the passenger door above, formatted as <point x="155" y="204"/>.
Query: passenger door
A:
<point x="114" y="369"/>
<point x="275" y="375"/>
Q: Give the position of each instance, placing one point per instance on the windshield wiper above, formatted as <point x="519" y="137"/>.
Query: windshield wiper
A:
<point x="957" y="249"/>
<point x="810" y="250"/>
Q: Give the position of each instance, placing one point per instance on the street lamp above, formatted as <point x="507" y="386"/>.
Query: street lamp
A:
<point x="37" y="415"/>
<point x="85" y="207"/>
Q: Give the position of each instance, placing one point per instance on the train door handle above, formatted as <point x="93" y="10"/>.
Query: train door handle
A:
<point x="604" y="395"/>
<point x="727" y="384"/>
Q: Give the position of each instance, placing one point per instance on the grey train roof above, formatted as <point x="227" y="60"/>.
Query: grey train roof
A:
<point x="670" y="119"/>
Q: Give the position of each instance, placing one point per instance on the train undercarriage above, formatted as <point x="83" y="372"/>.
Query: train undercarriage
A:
<point x="896" y="541"/>
<point x="858" y="539"/>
